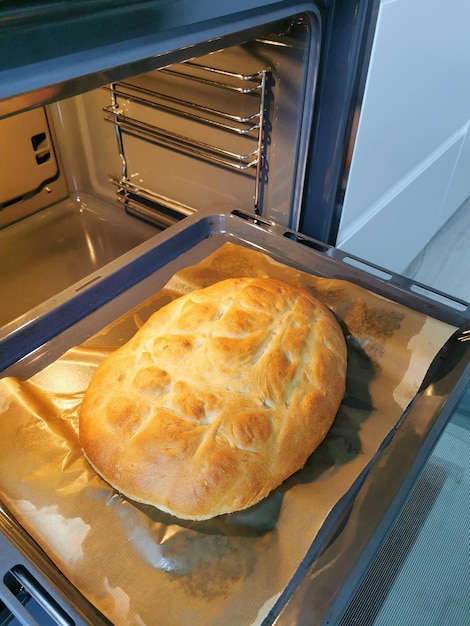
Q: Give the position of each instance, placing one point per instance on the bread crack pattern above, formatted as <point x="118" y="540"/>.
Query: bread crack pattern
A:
<point x="218" y="398"/>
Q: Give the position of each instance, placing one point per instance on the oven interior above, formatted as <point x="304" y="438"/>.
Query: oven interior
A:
<point x="88" y="178"/>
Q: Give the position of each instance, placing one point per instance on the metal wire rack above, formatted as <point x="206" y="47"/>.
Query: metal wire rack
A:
<point x="224" y="125"/>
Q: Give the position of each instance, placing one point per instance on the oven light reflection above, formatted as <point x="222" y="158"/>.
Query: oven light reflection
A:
<point x="91" y="249"/>
<point x="66" y="536"/>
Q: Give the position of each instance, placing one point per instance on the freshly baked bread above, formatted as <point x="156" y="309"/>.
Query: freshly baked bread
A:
<point x="217" y="399"/>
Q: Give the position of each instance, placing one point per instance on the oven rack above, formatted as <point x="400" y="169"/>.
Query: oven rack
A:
<point x="140" y="201"/>
<point x="224" y="125"/>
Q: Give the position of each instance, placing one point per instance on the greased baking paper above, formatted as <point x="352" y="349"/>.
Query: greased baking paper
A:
<point x="138" y="565"/>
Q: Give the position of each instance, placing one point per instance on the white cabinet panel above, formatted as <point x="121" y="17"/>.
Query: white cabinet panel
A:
<point x="416" y="109"/>
<point x="459" y="186"/>
<point x="392" y="237"/>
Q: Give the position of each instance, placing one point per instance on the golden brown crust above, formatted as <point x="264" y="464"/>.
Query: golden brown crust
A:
<point x="217" y="399"/>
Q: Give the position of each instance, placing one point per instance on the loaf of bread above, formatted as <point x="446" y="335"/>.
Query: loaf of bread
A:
<point x="217" y="399"/>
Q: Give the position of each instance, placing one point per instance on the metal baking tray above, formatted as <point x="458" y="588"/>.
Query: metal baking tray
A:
<point x="342" y="549"/>
<point x="148" y="266"/>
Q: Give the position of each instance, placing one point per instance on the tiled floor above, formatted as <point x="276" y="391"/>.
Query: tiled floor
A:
<point x="445" y="262"/>
<point x="432" y="587"/>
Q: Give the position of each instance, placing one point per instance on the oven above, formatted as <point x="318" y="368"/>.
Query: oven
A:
<point x="250" y="111"/>
<point x="148" y="148"/>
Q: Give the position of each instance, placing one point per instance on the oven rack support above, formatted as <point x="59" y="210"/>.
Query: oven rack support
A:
<point x="140" y="201"/>
<point x="246" y="122"/>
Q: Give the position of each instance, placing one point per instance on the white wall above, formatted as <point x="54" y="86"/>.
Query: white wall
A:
<point x="410" y="168"/>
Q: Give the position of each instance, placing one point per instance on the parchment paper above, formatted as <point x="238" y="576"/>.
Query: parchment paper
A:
<point x="140" y="566"/>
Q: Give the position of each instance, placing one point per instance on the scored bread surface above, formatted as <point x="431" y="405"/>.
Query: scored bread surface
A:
<point x="217" y="399"/>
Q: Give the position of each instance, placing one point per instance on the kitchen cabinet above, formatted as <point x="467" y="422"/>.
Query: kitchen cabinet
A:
<point x="410" y="168"/>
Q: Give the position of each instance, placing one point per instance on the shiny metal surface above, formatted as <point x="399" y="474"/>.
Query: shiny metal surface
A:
<point x="100" y="42"/>
<point x="341" y="552"/>
<point x="328" y="584"/>
<point x="208" y="129"/>
<point x="185" y="146"/>
<point x="47" y="256"/>
<point x="54" y="248"/>
<point x="31" y="173"/>
<point x="333" y="569"/>
<point x="91" y="50"/>
<point x="191" y="145"/>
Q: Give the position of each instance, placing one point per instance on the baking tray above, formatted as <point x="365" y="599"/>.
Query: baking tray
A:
<point x="147" y="269"/>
